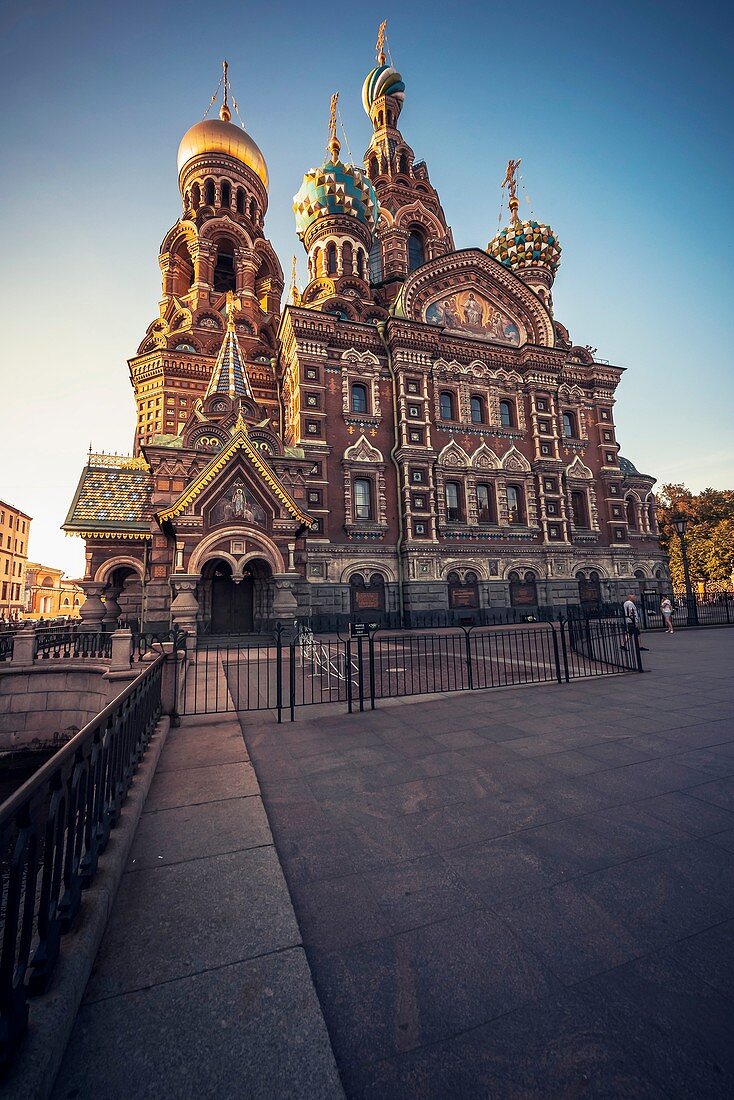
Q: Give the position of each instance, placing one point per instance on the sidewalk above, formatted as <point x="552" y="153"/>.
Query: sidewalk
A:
<point x="201" y="986"/>
<point x="520" y="893"/>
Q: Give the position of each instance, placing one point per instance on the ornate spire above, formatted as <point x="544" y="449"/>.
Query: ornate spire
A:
<point x="333" y="147"/>
<point x="510" y="182"/>
<point x="295" y="292"/>
<point x="380" y="47"/>
<point x="230" y="373"/>
<point x="224" y="112"/>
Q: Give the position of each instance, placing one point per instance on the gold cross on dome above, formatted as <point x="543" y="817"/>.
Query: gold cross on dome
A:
<point x="509" y="181"/>
<point x="380" y="47"/>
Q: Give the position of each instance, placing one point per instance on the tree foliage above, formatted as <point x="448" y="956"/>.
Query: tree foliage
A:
<point x="709" y="536"/>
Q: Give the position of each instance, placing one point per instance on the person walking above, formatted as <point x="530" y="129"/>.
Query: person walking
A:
<point x="666" y="608"/>
<point x="632" y="619"/>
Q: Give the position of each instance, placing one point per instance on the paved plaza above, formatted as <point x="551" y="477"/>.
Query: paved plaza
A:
<point x="521" y="893"/>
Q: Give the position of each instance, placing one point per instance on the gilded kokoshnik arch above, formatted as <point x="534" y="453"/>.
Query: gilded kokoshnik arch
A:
<point x="412" y="430"/>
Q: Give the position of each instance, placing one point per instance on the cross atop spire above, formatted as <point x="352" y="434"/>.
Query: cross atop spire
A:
<point x="224" y="112"/>
<point x="333" y="146"/>
<point x="230" y="372"/>
<point x="510" y="182"/>
<point x="380" y="47"/>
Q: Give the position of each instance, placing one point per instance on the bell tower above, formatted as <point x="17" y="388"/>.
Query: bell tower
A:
<point x="217" y="247"/>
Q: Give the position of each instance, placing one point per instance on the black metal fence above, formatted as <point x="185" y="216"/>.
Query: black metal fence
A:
<point x="72" y="643"/>
<point x="716" y="610"/>
<point x="303" y="669"/>
<point x="52" y="833"/>
<point x="6" y="646"/>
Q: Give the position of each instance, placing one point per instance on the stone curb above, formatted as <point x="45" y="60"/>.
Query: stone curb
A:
<point x="52" y="1016"/>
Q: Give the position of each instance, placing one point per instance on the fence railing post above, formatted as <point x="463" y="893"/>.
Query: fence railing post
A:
<point x="564" y="648"/>
<point x="556" y="654"/>
<point x="371" y="657"/>
<point x="469" y="670"/>
<point x="726" y="606"/>
<point x="360" y="673"/>
<point x="638" y="655"/>
<point x="279" y="671"/>
<point x="348" y="671"/>
<point x="292" y="677"/>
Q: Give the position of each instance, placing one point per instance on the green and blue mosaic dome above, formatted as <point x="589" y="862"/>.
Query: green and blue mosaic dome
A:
<point x="526" y="244"/>
<point x="335" y="189"/>
<point x="384" y="80"/>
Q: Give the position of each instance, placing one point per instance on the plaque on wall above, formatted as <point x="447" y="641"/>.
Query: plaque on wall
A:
<point x="465" y="595"/>
<point x="367" y="599"/>
<point x="524" y="595"/>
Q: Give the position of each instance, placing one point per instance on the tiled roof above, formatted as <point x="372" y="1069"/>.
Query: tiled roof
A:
<point x="230" y="373"/>
<point x="111" y="500"/>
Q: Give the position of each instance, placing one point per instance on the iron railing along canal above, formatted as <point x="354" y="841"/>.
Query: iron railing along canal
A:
<point x="53" y="831"/>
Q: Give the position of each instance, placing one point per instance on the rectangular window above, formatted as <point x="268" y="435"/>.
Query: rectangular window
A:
<point x="485" y="504"/>
<point x="515" y="512"/>
<point x="362" y="498"/>
<point x="453" y="502"/>
<point x="579" y="510"/>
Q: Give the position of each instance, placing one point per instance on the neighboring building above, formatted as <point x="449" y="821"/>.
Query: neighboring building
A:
<point x="47" y="595"/>
<point x="14" y="530"/>
<point x="415" y="429"/>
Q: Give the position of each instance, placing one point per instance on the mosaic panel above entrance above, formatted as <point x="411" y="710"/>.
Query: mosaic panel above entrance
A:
<point x="471" y="313"/>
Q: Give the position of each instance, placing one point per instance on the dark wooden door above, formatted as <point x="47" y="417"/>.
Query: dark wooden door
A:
<point x="231" y="605"/>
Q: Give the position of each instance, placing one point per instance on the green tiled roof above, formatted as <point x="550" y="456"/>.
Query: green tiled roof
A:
<point x="111" y="500"/>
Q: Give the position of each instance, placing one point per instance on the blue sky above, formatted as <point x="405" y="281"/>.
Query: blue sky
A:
<point x="620" y="112"/>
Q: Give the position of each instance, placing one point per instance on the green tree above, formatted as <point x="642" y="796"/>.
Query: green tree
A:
<point x="709" y="537"/>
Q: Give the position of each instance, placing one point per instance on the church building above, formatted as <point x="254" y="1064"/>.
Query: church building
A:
<point x="414" y="430"/>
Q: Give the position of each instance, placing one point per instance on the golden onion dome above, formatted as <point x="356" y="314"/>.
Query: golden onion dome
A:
<point x="215" y="135"/>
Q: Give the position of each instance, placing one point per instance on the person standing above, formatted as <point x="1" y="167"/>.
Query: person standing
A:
<point x="666" y="608"/>
<point x="632" y="619"/>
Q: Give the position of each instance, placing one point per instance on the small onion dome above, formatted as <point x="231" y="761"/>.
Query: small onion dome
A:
<point x="215" y="135"/>
<point x="384" y="80"/>
<point x="526" y="244"/>
<point x="335" y="188"/>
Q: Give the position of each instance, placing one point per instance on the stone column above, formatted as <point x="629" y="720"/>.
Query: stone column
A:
<point x="112" y="607"/>
<point x="93" y="611"/>
<point x="185" y="606"/>
<point x="120" y="657"/>
<point x="24" y="645"/>
<point x="285" y="604"/>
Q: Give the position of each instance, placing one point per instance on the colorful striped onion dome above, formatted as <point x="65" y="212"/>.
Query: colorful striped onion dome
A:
<point x="526" y="244"/>
<point x="335" y="188"/>
<point x="384" y="80"/>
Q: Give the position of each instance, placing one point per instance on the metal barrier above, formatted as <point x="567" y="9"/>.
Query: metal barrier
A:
<point x="52" y="833"/>
<point x="6" y="646"/>
<point x="303" y="669"/>
<point x="65" y="644"/>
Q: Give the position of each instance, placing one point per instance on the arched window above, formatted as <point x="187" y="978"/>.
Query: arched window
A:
<point x="66" y="602"/>
<point x="630" y="503"/>
<point x="507" y="414"/>
<point x="416" y="250"/>
<point x="373" y="167"/>
<point x="224" y="273"/>
<point x="360" y="263"/>
<point x="454" y="512"/>
<point x="485" y="504"/>
<point x="253" y="209"/>
<point x="359" y="398"/>
<point x="240" y="200"/>
<point x="347" y="258"/>
<point x="196" y="196"/>
<point x="209" y="193"/>
<point x="523" y="589"/>
<point x="317" y="271"/>
<point x="579" y="510"/>
<point x="569" y="426"/>
<point x="477" y="410"/>
<point x="226" y="191"/>
<point x="362" y="498"/>
<point x="651" y="515"/>
<point x="515" y="505"/>
<point x="376" y="262"/>
<point x="403" y="164"/>
<point x="331" y="258"/>
<point x="47" y="582"/>
<point x="446" y="405"/>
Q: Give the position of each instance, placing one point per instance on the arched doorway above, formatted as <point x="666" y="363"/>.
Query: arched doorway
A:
<point x="232" y="601"/>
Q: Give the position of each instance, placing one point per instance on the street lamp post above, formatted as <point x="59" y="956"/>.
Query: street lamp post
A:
<point x="680" y="522"/>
